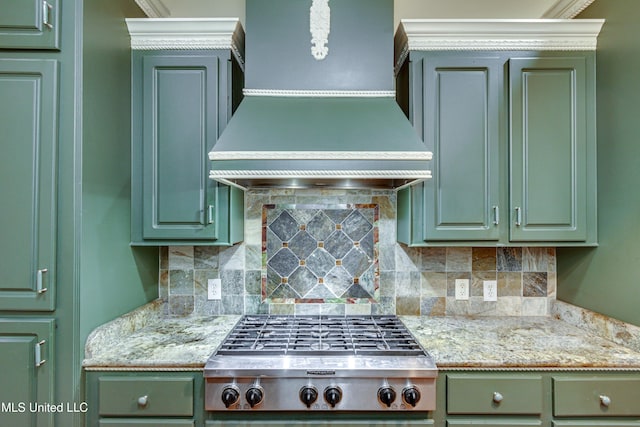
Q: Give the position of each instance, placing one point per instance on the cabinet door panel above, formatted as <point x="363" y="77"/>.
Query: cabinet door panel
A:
<point x="145" y="422"/>
<point x="316" y="423"/>
<point x="493" y="422"/>
<point x="28" y="124"/>
<point x="180" y="97"/>
<point x="29" y="24"/>
<point x="23" y="344"/>
<point x="461" y="119"/>
<point x="548" y="149"/>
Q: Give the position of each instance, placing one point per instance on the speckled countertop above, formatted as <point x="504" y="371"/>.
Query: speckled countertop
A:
<point x="147" y="339"/>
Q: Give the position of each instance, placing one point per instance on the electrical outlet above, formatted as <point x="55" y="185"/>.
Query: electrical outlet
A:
<point x="490" y="290"/>
<point x="462" y="289"/>
<point x="214" y="290"/>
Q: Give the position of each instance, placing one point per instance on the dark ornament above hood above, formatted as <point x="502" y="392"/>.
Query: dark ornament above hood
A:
<point x="319" y="108"/>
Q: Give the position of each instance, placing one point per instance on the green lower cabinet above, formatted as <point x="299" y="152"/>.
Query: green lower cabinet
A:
<point x="144" y="398"/>
<point x="26" y="356"/>
<point x="494" y="422"/>
<point x="489" y="394"/>
<point x="291" y="421"/>
<point x="150" y="422"/>
<point x="596" y="397"/>
<point x="596" y="423"/>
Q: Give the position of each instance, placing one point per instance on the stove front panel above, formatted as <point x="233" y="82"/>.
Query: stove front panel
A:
<point x="356" y="394"/>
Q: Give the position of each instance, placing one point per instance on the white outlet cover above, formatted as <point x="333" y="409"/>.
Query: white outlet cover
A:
<point x="490" y="290"/>
<point x="214" y="289"/>
<point x="462" y="289"/>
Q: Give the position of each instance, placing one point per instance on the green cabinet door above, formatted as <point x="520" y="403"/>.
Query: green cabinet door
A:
<point x="26" y="349"/>
<point x="548" y="146"/>
<point x="461" y="97"/>
<point x="29" y="24"/>
<point x="181" y="102"/>
<point x="28" y="125"/>
<point x="180" y="126"/>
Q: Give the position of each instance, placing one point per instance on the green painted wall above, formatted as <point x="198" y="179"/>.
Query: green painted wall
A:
<point x="114" y="278"/>
<point x="606" y="279"/>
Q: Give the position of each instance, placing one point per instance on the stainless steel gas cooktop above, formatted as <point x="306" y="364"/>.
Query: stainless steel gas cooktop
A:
<point x="311" y="363"/>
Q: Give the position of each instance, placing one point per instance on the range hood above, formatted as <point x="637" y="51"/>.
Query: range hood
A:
<point x="319" y="107"/>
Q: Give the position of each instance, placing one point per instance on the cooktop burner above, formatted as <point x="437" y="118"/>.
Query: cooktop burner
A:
<point x="320" y="335"/>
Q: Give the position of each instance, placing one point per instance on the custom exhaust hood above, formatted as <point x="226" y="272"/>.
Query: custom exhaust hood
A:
<point x="319" y="106"/>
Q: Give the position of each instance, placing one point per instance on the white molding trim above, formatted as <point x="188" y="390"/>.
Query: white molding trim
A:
<point x="566" y="9"/>
<point x="154" y="8"/>
<point x="499" y="34"/>
<point x="320" y="93"/>
<point x="321" y="155"/>
<point x="187" y="34"/>
<point x="320" y="174"/>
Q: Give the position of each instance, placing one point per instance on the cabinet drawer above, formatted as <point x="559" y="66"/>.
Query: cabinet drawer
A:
<point x="146" y="422"/>
<point x="145" y="396"/>
<point x="494" y="422"/>
<point x="596" y="396"/>
<point x="595" y="423"/>
<point x="490" y="394"/>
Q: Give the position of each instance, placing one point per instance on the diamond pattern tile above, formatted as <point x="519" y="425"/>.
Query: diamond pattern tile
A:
<point x="315" y="254"/>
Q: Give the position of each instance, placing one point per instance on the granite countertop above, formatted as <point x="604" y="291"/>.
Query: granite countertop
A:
<point x="146" y="339"/>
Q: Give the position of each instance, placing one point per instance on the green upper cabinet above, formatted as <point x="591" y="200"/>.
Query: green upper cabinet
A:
<point x="461" y="101"/>
<point x="182" y="99"/>
<point x="29" y="24"/>
<point x="28" y="125"/>
<point x="552" y="149"/>
<point x="512" y="133"/>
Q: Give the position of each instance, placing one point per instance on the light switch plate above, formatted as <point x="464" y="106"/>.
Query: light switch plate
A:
<point x="214" y="289"/>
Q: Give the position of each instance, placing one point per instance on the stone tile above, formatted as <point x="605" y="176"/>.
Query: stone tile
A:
<point x="307" y="309"/>
<point x="434" y="259"/>
<point x="535" y="307"/>
<point x="458" y="259"/>
<point x="356" y="262"/>
<point x="303" y="244"/>
<point x="433" y="306"/>
<point x="509" y="259"/>
<point x="181" y="282"/>
<point x="282" y="309"/>
<point x="201" y="280"/>
<point x="509" y="306"/>
<point x="535" y="259"/>
<point x="338" y="244"/>
<point x="253" y="282"/>
<point x="253" y="257"/>
<point x="232" y="282"/>
<point x="320" y="227"/>
<point x="335" y="309"/>
<point x="163" y="285"/>
<point x="338" y="280"/>
<point x="232" y="304"/>
<point x="205" y="257"/>
<point x="284" y="262"/>
<point x="387" y="257"/>
<point x="320" y="262"/>
<point x="509" y="284"/>
<point x="387" y="208"/>
<point x="285" y="227"/>
<point x="477" y="282"/>
<point x="388" y="284"/>
<point x="232" y="257"/>
<point x="357" y="309"/>
<point x="181" y="305"/>
<point x="407" y="306"/>
<point x="252" y="304"/>
<point x="483" y="259"/>
<point x="356" y="226"/>
<point x="181" y="258"/>
<point x="385" y="305"/>
<point x="408" y="284"/>
<point x="433" y="284"/>
<point x="302" y="281"/>
<point x="163" y="255"/>
<point x="534" y="284"/>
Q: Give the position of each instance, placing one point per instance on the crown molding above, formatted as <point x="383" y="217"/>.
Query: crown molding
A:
<point x="321" y="155"/>
<point x="501" y="34"/>
<point x="566" y="9"/>
<point x="154" y="8"/>
<point x="187" y="34"/>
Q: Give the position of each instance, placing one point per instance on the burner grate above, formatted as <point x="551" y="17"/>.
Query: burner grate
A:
<point x="320" y="335"/>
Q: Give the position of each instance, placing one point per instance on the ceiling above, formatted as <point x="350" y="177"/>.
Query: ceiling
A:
<point x="497" y="9"/>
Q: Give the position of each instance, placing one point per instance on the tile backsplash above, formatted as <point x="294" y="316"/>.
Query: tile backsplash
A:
<point x="335" y="252"/>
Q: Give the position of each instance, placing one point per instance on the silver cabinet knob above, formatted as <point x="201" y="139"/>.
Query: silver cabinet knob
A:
<point x="497" y="397"/>
<point x="143" y="401"/>
<point x="605" y="400"/>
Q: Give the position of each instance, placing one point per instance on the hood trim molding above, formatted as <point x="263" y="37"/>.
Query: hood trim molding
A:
<point x="320" y="155"/>
<point x="320" y="93"/>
